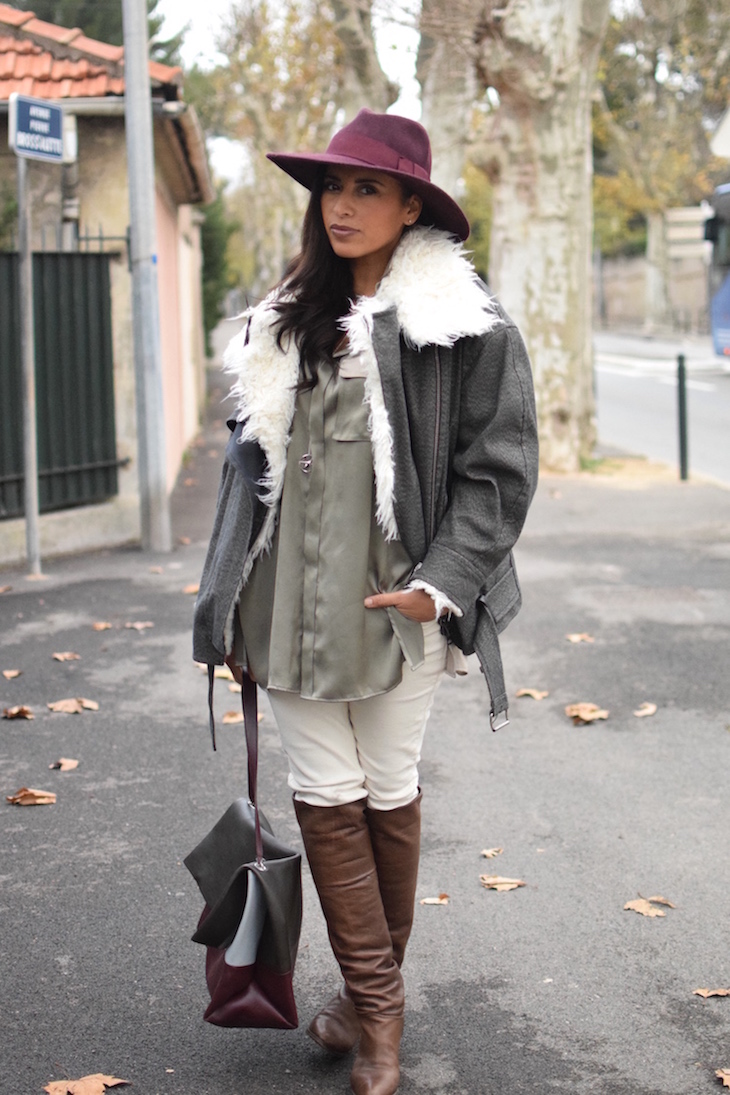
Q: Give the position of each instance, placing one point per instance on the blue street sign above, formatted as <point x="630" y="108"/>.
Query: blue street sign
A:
<point x="36" y="128"/>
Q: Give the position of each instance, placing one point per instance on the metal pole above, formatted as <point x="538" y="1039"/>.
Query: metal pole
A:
<point x="682" y="408"/>
<point x="154" y="501"/>
<point x="27" y="353"/>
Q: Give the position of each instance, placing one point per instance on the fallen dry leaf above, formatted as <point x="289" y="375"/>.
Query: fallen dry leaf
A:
<point x="184" y="540"/>
<point x="645" y="709"/>
<point x="74" y="705"/>
<point x="661" y="901"/>
<point x="580" y="637"/>
<point x="139" y="625"/>
<point x="233" y="687"/>
<point x="157" y="570"/>
<point x="222" y="673"/>
<point x="490" y="853"/>
<point x="31" y="796"/>
<point x="87" y="1085"/>
<point x="20" y="711"/>
<point x="66" y="656"/>
<point x="534" y="693"/>
<point x="582" y="713"/>
<point x="496" y="882"/>
<point x="5" y="589"/>
<point x="11" y="674"/>
<point x="724" y="1075"/>
<point x="231" y="717"/>
<point x="102" y="625"/>
<point x="194" y="587"/>
<point x="705" y="993"/>
<point x="64" y="764"/>
<point x="189" y="482"/>
<point x="442" y="899"/>
<point x="644" y="907"/>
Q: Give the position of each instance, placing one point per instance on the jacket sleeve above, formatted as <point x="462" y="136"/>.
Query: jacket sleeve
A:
<point x="493" y="471"/>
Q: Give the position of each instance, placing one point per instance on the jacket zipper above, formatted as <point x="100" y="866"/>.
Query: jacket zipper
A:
<point x="437" y="435"/>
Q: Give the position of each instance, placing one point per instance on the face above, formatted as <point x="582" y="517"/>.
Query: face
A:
<point x="364" y="214"/>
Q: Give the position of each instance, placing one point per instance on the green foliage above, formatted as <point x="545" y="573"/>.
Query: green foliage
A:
<point x="663" y="82"/>
<point x="477" y="204"/>
<point x="216" y="230"/>
<point x="205" y="89"/>
<point x="100" y="21"/>
<point x="284" y="75"/>
<point x="619" y="221"/>
<point x="8" y="216"/>
<point x="103" y="22"/>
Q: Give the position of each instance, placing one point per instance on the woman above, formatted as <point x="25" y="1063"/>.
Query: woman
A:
<point x="390" y="400"/>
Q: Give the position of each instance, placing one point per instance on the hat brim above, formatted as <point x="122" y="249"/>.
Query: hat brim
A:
<point x="439" y="209"/>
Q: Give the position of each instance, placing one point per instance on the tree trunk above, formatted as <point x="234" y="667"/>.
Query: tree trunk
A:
<point x="365" y="82"/>
<point x="658" y="312"/>
<point x="540" y="56"/>
<point x="446" y="71"/>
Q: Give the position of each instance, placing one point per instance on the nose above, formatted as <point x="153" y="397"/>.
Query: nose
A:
<point x="343" y="204"/>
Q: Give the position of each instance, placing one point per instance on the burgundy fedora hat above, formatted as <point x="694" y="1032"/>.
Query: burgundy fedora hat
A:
<point x="385" y="142"/>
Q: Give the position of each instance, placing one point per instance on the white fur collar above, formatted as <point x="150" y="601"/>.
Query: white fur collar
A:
<point x="438" y="299"/>
<point x="435" y="290"/>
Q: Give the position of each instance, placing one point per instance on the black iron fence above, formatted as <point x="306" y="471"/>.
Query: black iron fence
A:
<point x="77" y="460"/>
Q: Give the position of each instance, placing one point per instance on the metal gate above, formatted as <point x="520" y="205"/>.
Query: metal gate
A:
<point x="77" y="460"/>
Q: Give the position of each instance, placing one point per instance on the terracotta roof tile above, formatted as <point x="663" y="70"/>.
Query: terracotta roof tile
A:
<point x="14" y="17"/>
<point x="52" y="62"/>
<point x="102" y="50"/>
<point x="164" y="73"/>
<point x="50" y="32"/>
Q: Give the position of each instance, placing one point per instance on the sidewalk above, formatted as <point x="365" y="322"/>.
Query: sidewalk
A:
<point x="550" y="987"/>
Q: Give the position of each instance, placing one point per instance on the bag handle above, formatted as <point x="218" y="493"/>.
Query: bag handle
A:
<point x="251" y="726"/>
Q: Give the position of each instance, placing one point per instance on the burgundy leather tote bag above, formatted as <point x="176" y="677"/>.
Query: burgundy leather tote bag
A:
<point x="251" y="883"/>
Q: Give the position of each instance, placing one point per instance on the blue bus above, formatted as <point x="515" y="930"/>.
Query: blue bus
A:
<point x="717" y="229"/>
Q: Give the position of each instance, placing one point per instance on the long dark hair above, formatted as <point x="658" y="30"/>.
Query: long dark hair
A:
<point x="318" y="289"/>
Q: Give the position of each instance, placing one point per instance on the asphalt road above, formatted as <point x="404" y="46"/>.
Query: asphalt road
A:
<point x="636" y="398"/>
<point x="550" y="987"/>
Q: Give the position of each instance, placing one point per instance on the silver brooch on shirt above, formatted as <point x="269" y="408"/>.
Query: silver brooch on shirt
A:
<point x="305" y="463"/>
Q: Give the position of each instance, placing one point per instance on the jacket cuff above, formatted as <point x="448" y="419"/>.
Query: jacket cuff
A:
<point x="445" y="569"/>
<point x="440" y="600"/>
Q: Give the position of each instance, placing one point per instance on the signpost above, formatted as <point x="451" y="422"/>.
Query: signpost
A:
<point x="35" y="133"/>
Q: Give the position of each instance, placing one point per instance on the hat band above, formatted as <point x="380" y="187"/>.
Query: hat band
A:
<point x="375" y="154"/>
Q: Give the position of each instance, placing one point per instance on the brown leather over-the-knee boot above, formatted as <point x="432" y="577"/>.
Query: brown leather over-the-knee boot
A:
<point x="340" y="854"/>
<point x="396" y="839"/>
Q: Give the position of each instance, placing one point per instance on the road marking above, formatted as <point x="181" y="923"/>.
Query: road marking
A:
<point x="692" y="385"/>
<point x="639" y="374"/>
<point x="665" y="364"/>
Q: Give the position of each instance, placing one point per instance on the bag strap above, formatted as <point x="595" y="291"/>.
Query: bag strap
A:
<point x="251" y="726"/>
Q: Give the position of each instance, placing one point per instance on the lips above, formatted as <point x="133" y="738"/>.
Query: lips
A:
<point x="342" y="231"/>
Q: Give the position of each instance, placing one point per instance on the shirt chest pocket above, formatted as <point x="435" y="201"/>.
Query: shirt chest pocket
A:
<point x="351" y="416"/>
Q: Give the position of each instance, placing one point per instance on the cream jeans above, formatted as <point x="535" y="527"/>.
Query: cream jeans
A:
<point x="342" y="751"/>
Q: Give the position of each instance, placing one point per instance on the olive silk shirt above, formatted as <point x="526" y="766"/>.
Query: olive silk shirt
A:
<point x="305" y="627"/>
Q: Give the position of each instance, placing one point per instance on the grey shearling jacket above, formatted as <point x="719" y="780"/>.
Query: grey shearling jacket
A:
<point x="454" y="439"/>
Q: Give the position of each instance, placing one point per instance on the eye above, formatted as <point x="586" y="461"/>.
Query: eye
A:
<point x="331" y="185"/>
<point x="366" y="188"/>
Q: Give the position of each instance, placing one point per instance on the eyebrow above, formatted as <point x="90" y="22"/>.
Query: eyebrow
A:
<point x="364" y="179"/>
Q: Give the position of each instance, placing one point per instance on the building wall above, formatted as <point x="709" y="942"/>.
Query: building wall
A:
<point x="190" y="269"/>
<point x="620" y="284"/>
<point x="102" y="190"/>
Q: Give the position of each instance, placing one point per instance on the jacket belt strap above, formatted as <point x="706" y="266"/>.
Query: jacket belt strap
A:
<point x="486" y="645"/>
